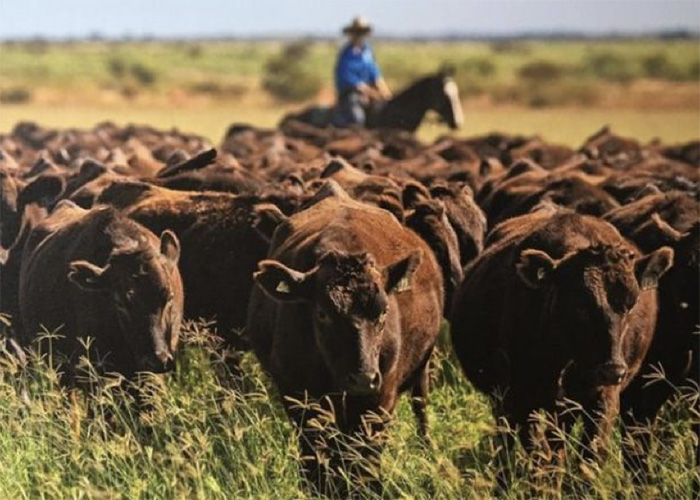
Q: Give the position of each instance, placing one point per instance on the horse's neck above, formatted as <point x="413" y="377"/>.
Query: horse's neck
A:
<point x="406" y="110"/>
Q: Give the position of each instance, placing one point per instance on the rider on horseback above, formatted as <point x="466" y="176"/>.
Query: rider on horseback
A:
<point x="357" y="78"/>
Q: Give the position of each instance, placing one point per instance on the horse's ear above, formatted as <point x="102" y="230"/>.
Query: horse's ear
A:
<point x="447" y="70"/>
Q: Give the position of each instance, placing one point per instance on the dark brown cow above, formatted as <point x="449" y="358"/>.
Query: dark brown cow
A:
<point x="465" y="216"/>
<point x="346" y="311"/>
<point x="671" y="219"/>
<point x="526" y="185"/>
<point x="9" y="215"/>
<point x="343" y="173"/>
<point x="615" y="150"/>
<point x="98" y="274"/>
<point x="559" y="307"/>
<point x="688" y="153"/>
<point x="223" y="237"/>
<point x="429" y="220"/>
<point x="665" y="176"/>
<point x="382" y="192"/>
<point x="547" y="155"/>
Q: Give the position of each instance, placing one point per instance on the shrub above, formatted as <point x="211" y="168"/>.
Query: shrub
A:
<point x="561" y="93"/>
<point x="474" y="75"/>
<point x="507" y="93"/>
<point x="609" y="66"/>
<point x="470" y="86"/>
<point x="143" y="74"/>
<point x="659" y="66"/>
<point x="400" y="74"/>
<point x="217" y="89"/>
<point x="129" y="91"/>
<point x="288" y="76"/>
<point x="16" y="95"/>
<point x="540" y="71"/>
<point x="477" y="66"/>
<point x="195" y="51"/>
<point x="117" y="67"/>
<point x="693" y="71"/>
<point x="510" y="47"/>
<point x="37" y="45"/>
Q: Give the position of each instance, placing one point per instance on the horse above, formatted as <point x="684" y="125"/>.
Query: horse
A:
<point x="405" y="111"/>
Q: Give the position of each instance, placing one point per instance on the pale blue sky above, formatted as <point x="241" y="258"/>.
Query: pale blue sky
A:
<point x="191" y="18"/>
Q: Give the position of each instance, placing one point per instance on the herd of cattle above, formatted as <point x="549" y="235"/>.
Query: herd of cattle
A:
<point x="335" y="254"/>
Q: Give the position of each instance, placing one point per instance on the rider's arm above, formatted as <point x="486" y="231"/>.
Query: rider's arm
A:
<point x="382" y="88"/>
<point x="377" y="81"/>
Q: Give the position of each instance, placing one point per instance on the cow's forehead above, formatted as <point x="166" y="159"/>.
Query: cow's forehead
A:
<point x="612" y="286"/>
<point x="363" y="299"/>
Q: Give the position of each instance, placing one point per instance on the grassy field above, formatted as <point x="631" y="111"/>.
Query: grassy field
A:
<point x="180" y="65"/>
<point x="644" y="88"/>
<point x="208" y="436"/>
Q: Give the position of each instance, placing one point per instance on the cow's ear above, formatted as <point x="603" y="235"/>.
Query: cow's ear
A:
<point x="87" y="276"/>
<point x="535" y="267"/>
<point x="285" y="284"/>
<point x="170" y="246"/>
<point x="651" y="267"/>
<point x="266" y="218"/>
<point x="669" y="233"/>
<point x="399" y="274"/>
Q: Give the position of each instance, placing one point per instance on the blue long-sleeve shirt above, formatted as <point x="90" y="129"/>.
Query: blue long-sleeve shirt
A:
<point x="355" y="65"/>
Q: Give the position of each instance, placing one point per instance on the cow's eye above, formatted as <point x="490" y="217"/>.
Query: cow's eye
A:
<point x="322" y="316"/>
<point x="130" y="294"/>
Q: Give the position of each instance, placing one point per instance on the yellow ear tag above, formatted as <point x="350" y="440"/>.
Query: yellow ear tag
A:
<point x="283" y="287"/>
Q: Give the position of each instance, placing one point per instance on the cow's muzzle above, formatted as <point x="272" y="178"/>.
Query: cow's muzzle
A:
<point x="363" y="382"/>
<point x="611" y="373"/>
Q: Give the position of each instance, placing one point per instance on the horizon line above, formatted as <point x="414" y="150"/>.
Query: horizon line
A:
<point x="675" y="33"/>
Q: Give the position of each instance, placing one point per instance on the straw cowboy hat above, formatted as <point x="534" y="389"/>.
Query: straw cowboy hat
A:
<point x="358" y="25"/>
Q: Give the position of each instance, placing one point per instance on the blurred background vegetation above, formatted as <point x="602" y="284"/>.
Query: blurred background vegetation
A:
<point x="258" y="81"/>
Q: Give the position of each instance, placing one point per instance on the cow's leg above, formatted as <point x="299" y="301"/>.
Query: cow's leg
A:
<point x="640" y="403"/>
<point x="313" y="449"/>
<point x="508" y="422"/>
<point x="419" y="401"/>
<point x="347" y="446"/>
<point x="604" y="409"/>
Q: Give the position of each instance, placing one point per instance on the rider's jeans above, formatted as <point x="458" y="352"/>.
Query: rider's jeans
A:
<point x="350" y="109"/>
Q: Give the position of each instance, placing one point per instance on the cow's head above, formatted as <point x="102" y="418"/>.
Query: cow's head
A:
<point x="682" y="296"/>
<point x="428" y="219"/>
<point x="591" y="294"/>
<point x="143" y="289"/>
<point x="349" y="298"/>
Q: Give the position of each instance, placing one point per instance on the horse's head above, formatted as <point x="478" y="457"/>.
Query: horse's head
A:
<point x="445" y="98"/>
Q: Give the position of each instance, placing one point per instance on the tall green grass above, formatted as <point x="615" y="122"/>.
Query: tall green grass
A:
<point x="207" y="434"/>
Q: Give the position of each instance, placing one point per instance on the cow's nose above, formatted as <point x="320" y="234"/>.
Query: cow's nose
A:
<point x="612" y="373"/>
<point x="164" y="357"/>
<point x="364" y="382"/>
